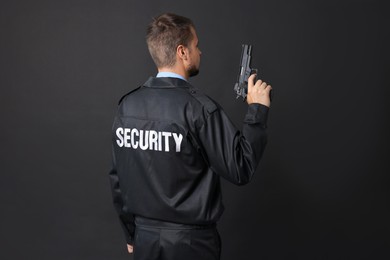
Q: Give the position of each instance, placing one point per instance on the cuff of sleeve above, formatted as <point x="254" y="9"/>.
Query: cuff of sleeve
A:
<point x="257" y="114"/>
<point x="129" y="240"/>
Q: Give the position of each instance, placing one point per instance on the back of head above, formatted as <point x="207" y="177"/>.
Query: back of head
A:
<point x="164" y="34"/>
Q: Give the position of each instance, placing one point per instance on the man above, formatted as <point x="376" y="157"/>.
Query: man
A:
<point x="171" y="144"/>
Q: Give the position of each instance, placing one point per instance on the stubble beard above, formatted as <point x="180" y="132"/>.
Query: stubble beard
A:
<point x="193" y="71"/>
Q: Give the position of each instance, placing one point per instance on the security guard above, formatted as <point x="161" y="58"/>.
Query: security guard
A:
<point x="171" y="144"/>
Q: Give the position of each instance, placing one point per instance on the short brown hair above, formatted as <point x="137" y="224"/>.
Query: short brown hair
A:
<point x="164" y="34"/>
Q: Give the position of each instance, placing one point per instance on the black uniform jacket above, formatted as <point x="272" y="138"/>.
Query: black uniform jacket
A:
<point x="171" y="144"/>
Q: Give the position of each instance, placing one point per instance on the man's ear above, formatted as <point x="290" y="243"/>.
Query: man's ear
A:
<point x="182" y="52"/>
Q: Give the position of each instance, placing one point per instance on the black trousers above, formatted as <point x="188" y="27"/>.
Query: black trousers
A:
<point x="156" y="240"/>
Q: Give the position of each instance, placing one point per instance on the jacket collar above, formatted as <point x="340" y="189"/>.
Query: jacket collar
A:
<point x="165" y="82"/>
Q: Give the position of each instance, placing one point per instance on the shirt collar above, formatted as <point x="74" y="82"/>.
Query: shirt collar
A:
<point x="166" y="74"/>
<point x="166" y="82"/>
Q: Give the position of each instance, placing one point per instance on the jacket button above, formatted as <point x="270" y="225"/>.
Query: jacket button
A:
<point x="193" y="91"/>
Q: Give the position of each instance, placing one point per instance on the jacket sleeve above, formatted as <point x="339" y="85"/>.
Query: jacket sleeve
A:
<point x="126" y="219"/>
<point x="232" y="154"/>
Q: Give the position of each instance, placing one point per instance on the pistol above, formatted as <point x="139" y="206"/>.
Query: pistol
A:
<point x="241" y="87"/>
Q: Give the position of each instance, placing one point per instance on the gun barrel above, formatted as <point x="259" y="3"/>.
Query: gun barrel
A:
<point x="244" y="72"/>
<point x="245" y="63"/>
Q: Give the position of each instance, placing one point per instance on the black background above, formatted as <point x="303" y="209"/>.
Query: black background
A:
<point x="321" y="191"/>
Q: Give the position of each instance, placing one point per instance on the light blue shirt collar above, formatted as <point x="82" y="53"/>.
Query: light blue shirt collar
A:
<point x="169" y="75"/>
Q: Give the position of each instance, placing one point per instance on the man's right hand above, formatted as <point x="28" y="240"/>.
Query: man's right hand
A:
<point x="258" y="92"/>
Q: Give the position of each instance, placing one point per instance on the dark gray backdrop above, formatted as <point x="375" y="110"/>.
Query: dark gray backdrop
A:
<point x="321" y="191"/>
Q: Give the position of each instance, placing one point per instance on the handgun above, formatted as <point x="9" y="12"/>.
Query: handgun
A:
<point x="241" y="87"/>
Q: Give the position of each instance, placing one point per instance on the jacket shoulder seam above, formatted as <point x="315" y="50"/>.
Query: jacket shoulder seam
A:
<point x="204" y="100"/>
<point x="125" y="95"/>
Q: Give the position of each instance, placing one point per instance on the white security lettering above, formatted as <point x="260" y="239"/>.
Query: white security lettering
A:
<point x="147" y="139"/>
<point x="143" y="141"/>
<point x="153" y="140"/>
<point x="166" y="135"/>
<point x="159" y="142"/>
<point x="178" y="139"/>
<point x="119" y="133"/>
<point x="134" y="143"/>
<point x="126" y="137"/>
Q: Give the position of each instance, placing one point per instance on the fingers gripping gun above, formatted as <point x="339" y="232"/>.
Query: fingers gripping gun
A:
<point x="241" y="87"/>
